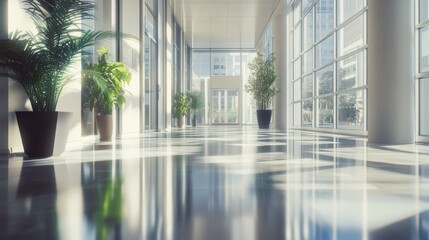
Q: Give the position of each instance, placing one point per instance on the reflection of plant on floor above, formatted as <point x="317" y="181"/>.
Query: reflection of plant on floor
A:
<point x="109" y="207"/>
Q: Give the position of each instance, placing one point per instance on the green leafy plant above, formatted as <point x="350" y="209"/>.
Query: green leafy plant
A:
<point x="41" y="61"/>
<point x="196" y="102"/>
<point x="181" y="105"/>
<point x="104" y="82"/>
<point x="260" y="84"/>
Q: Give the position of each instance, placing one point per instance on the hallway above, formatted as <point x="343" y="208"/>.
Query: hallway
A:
<point x="220" y="182"/>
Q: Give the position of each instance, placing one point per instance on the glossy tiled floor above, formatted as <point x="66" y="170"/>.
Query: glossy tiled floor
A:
<point x="227" y="183"/>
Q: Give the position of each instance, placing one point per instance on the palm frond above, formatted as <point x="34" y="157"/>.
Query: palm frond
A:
<point x="40" y="61"/>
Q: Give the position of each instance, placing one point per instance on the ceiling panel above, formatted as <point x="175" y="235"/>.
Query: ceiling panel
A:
<point x="223" y="23"/>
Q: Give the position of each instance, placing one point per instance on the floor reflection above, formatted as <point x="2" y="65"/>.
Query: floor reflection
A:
<point x="35" y="197"/>
<point x="228" y="183"/>
<point x="102" y="198"/>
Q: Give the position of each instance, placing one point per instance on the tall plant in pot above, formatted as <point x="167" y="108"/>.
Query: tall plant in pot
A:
<point x="196" y="104"/>
<point x="41" y="63"/>
<point x="260" y="87"/>
<point x="104" y="83"/>
<point x="180" y="108"/>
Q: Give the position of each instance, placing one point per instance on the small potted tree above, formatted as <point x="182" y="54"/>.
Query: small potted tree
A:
<point x="40" y="62"/>
<point x="180" y="108"/>
<point x="104" y="81"/>
<point x="196" y="104"/>
<point x="260" y="87"/>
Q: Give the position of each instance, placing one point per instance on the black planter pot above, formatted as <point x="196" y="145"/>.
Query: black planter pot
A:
<point x="264" y="118"/>
<point x="43" y="134"/>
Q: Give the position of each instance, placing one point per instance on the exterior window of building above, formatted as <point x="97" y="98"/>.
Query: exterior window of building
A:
<point x="347" y="8"/>
<point x="225" y="63"/>
<point x="325" y="52"/>
<point x="324" y="18"/>
<point x="328" y="60"/>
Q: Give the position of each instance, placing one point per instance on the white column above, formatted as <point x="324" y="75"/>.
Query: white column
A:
<point x="280" y="47"/>
<point x="4" y="89"/>
<point x="391" y="107"/>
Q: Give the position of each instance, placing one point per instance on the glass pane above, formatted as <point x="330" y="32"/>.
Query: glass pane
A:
<point x="424" y="50"/>
<point x="325" y="112"/>
<point x="351" y="110"/>
<point x="307" y="32"/>
<point x="296" y="12"/>
<point x="226" y="64"/>
<point x="324" y="18"/>
<point x="423" y="7"/>
<point x="297" y="114"/>
<point x="297" y="42"/>
<point x="347" y="8"/>
<point x="297" y="90"/>
<point x="350" y="37"/>
<point x="307" y="87"/>
<point x="307" y="113"/>
<point x="324" y="80"/>
<point x="325" y="52"/>
<point x="307" y="62"/>
<point x="297" y="69"/>
<point x="225" y="106"/>
<point x="424" y="106"/>
<point x="150" y="25"/>
<point x="350" y="72"/>
<point x="152" y="4"/>
<point x="306" y="4"/>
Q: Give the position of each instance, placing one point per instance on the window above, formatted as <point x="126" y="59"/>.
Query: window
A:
<point x="423" y="68"/>
<point x="324" y="18"/>
<point x="329" y="61"/>
<point x="350" y="110"/>
<point x="350" y="72"/>
<point x="325" y="52"/>
<point x="347" y="8"/>
<point x="424" y="49"/>
<point x="350" y="37"/>
<point x="325" y="80"/>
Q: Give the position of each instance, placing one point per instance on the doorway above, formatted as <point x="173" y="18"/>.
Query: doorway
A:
<point x="225" y="108"/>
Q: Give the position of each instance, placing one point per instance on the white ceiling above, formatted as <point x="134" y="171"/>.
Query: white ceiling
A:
<point x="223" y="23"/>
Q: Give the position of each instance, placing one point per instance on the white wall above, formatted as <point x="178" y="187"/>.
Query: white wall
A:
<point x="168" y="67"/>
<point x="130" y="55"/>
<point x="391" y="107"/>
<point x="17" y="98"/>
<point x="280" y="103"/>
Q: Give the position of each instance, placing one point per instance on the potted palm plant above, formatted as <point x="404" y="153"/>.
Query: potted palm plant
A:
<point x="196" y="104"/>
<point x="104" y="83"/>
<point x="41" y="62"/>
<point x="180" y="108"/>
<point x="260" y="87"/>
